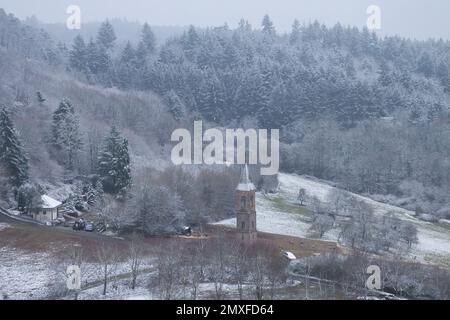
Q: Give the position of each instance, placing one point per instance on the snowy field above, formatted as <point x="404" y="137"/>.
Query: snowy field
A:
<point x="24" y="275"/>
<point x="28" y="276"/>
<point x="434" y="241"/>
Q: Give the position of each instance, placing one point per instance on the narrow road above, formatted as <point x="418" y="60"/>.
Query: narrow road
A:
<point x="56" y="230"/>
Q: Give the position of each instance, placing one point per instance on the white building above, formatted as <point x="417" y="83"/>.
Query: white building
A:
<point x="48" y="210"/>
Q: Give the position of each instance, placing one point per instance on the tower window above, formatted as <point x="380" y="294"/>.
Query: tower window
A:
<point x="243" y="202"/>
<point x="242" y="225"/>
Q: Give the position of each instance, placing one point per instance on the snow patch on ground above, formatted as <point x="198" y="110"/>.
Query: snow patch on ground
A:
<point x="432" y="241"/>
<point x="24" y="275"/>
<point x="4" y="226"/>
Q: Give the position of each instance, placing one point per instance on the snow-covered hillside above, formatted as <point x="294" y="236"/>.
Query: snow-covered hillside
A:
<point x="279" y="214"/>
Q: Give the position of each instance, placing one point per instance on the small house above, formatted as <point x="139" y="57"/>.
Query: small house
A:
<point x="48" y="210"/>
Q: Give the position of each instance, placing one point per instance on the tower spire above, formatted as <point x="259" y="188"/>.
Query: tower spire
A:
<point x="245" y="184"/>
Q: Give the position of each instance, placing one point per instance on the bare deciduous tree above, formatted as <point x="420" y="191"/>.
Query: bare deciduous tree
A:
<point x="301" y="197"/>
<point x="107" y="256"/>
<point x="168" y="267"/>
<point x="218" y="266"/>
<point x="240" y="266"/>
<point x="135" y="257"/>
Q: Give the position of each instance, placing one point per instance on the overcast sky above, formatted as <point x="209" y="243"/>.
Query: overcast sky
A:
<point x="410" y="18"/>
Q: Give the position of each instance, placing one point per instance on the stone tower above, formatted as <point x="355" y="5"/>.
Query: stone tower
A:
<point x="245" y="208"/>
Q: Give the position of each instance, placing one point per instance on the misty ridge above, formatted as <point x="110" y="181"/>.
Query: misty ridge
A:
<point x="125" y="30"/>
<point x="87" y="117"/>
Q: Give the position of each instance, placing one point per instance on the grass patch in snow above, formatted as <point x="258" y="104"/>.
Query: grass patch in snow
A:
<point x="441" y="227"/>
<point x="438" y="259"/>
<point x="284" y="205"/>
<point x="445" y="226"/>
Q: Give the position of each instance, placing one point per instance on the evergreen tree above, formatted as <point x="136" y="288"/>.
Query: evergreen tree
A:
<point x="114" y="164"/>
<point x="176" y="106"/>
<point x="94" y="193"/>
<point x="29" y="195"/>
<point x="267" y="26"/>
<point x="244" y="26"/>
<point x="141" y="55"/>
<point x="97" y="60"/>
<point x="106" y="36"/>
<point x="425" y="65"/>
<point x="251" y="96"/>
<point x="128" y="56"/>
<point x="77" y="55"/>
<point x="277" y="114"/>
<point x="443" y="73"/>
<point x="211" y="101"/>
<point x="65" y="132"/>
<point x="192" y="39"/>
<point x="295" y="36"/>
<point x="12" y="155"/>
<point x="127" y="68"/>
<point x="148" y="39"/>
<point x="104" y="45"/>
<point x="385" y="76"/>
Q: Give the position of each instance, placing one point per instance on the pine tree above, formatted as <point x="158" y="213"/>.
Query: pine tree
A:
<point x="244" y="26"/>
<point x="96" y="193"/>
<point x="176" y="106"/>
<point x="443" y="73"/>
<point x="97" y="60"/>
<point x="127" y="68"/>
<point x="12" y="155"/>
<point x="106" y="36"/>
<point x="128" y="56"/>
<point x="295" y="36"/>
<point x="148" y="39"/>
<point x="211" y="100"/>
<point x="104" y="45"/>
<point x="267" y="26"/>
<point x="266" y="88"/>
<point x="114" y="164"/>
<point x="65" y="132"/>
<point x="29" y="195"/>
<point x="385" y="75"/>
<point x="191" y="39"/>
<point x="77" y="55"/>
<point x="425" y="65"/>
<point x="251" y="96"/>
<point x="141" y="55"/>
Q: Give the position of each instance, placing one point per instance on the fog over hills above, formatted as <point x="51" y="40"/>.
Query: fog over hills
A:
<point x="418" y="19"/>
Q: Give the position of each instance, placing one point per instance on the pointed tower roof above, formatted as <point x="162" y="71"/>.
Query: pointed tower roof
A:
<point x="245" y="184"/>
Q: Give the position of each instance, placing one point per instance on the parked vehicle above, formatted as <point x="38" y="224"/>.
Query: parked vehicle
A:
<point x="58" y="222"/>
<point x="79" y="225"/>
<point x="289" y="255"/>
<point x="100" y="227"/>
<point x="89" y="227"/>
<point x="184" y="231"/>
<point x="68" y="224"/>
